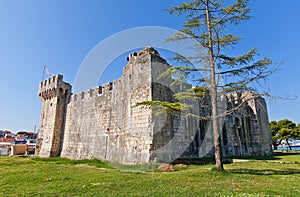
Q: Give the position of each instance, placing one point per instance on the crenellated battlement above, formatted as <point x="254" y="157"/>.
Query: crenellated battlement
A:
<point x="94" y="92"/>
<point x="52" y="87"/>
<point x="144" y="56"/>
<point x="51" y="81"/>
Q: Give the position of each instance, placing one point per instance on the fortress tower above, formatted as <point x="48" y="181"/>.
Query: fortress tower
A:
<point x="55" y="95"/>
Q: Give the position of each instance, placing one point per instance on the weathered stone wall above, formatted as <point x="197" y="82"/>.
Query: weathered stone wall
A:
<point x="55" y="95"/>
<point x="104" y="122"/>
<point x="246" y="131"/>
<point x="264" y="145"/>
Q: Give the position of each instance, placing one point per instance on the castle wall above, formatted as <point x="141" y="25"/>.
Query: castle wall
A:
<point x="174" y="133"/>
<point x="262" y="130"/>
<point x="247" y="129"/>
<point x="103" y="122"/>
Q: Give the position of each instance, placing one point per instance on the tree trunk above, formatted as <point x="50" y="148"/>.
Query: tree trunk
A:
<point x="289" y="144"/>
<point x="275" y="145"/>
<point x="214" y="94"/>
<point x="217" y="144"/>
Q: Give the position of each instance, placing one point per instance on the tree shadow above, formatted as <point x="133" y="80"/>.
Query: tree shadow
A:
<point x="286" y="171"/>
<point x="273" y="157"/>
<point x="259" y="158"/>
<point x="286" y="153"/>
<point x="228" y="160"/>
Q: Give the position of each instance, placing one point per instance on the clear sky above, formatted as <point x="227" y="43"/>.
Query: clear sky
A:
<point x="60" y="33"/>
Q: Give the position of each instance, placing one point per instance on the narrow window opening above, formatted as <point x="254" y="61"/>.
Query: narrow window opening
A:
<point x="100" y="90"/>
<point x="110" y="86"/>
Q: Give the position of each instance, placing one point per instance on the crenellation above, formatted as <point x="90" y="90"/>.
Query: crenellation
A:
<point x="99" y="90"/>
<point x="74" y="97"/>
<point x="104" y="123"/>
<point x="107" y="87"/>
<point x="91" y="92"/>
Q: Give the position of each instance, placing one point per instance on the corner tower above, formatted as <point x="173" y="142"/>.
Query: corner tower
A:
<point x="55" y="95"/>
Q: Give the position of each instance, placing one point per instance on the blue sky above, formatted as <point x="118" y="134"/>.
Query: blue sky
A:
<point x="60" y="33"/>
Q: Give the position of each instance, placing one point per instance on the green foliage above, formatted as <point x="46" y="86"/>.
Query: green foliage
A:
<point x="284" y="130"/>
<point x="193" y="93"/>
<point x="207" y="22"/>
<point x="274" y="128"/>
<point x="161" y="107"/>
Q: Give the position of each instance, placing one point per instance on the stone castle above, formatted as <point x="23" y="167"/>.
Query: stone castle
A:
<point x="105" y="123"/>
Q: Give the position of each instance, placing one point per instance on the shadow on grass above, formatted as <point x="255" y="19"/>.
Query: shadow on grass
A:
<point x="271" y="157"/>
<point x="146" y="167"/>
<point x="59" y="160"/>
<point x="274" y="157"/>
<point x="151" y="166"/>
<point x="228" y="160"/>
<point x="286" y="153"/>
<point x="287" y="171"/>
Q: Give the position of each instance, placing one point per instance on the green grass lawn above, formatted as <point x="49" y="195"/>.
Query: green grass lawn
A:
<point x="24" y="176"/>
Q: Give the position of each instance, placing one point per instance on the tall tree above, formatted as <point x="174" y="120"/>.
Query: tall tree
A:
<point x="284" y="130"/>
<point x="207" y="23"/>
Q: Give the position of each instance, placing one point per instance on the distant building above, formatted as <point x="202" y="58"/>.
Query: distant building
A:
<point x="28" y="134"/>
<point x="6" y="136"/>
